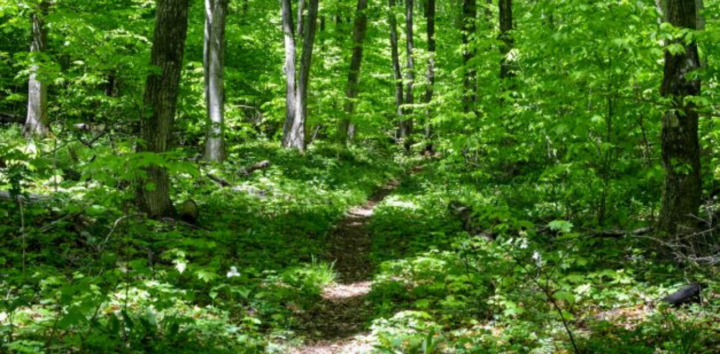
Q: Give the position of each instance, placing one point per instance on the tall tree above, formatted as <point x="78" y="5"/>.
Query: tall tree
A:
<point x="301" y="10"/>
<point x="294" y="132"/>
<point x="469" y="27"/>
<point x="36" y="122"/>
<point x="289" y="130"/>
<point x="406" y="125"/>
<point x="395" y="56"/>
<point x="347" y="129"/>
<point x="214" y="65"/>
<point x="506" y="25"/>
<point x="679" y="140"/>
<point x="430" y="27"/>
<point x="304" y="77"/>
<point x="161" y="92"/>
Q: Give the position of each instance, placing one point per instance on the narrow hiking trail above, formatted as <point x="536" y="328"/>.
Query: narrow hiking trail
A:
<point x="334" y="325"/>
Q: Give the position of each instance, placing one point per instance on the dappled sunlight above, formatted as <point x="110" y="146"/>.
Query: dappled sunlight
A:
<point x="397" y="202"/>
<point x="344" y="291"/>
<point x="356" y="345"/>
<point x="254" y="176"/>
<point x="361" y="211"/>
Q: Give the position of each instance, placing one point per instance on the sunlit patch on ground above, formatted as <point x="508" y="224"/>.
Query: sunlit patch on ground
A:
<point x="361" y="211"/>
<point x="345" y="291"/>
<point x="357" y="345"/>
<point x="395" y="202"/>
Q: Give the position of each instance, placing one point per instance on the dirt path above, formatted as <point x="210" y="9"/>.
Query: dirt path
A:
<point x="335" y="324"/>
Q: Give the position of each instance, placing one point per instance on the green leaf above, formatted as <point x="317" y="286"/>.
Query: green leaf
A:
<point x="206" y="275"/>
<point x="561" y="225"/>
<point x="564" y="296"/>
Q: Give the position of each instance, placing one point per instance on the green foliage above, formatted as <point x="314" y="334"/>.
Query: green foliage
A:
<point x="545" y="161"/>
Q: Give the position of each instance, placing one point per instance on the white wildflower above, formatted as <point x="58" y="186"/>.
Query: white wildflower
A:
<point x="537" y="257"/>
<point x="233" y="272"/>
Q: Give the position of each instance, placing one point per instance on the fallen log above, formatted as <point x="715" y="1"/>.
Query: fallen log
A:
<point x="622" y="233"/>
<point x="687" y="295"/>
<point x="219" y="180"/>
<point x="9" y="118"/>
<point x="249" y="190"/>
<point x="245" y="171"/>
<point x="29" y="198"/>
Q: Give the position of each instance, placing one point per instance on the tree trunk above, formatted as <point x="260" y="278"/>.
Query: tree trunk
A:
<point x="699" y="7"/>
<point x="161" y="91"/>
<point x="297" y="140"/>
<point x="430" y="18"/>
<point x="679" y="140"/>
<point x="469" y="18"/>
<point x="289" y="131"/>
<point x="214" y="65"/>
<point x="506" y="25"/>
<point x="394" y="53"/>
<point x="36" y="123"/>
<point x="406" y="125"/>
<point x="301" y="9"/>
<point x="347" y="129"/>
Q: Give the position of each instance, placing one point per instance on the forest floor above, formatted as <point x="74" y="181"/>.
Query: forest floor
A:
<point x="335" y="323"/>
<point x="319" y="253"/>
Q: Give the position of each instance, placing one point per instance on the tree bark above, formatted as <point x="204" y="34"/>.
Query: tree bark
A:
<point x="469" y="28"/>
<point x="394" y="53"/>
<point x="430" y="19"/>
<point x="214" y="65"/>
<point x="161" y="91"/>
<point x="297" y="137"/>
<point x="679" y="140"/>
<point x="289" y="137"/>
<point x="506" y="25"/>
<point x="406" y="125"/>
<point x="36" y="123"/>
<point x="301" y="10"/>
<point x="346" y="130"/>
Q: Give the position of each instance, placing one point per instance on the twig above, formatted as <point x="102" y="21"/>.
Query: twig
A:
<point x="621" y="233"/>
<point x="712" y="260"/>
<point x="115" y="225"/>
<point x="548" y="294"/>
<point x="219" y="180"/>
<point x="24" y="234"/>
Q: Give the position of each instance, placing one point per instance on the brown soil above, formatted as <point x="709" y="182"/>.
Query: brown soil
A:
<point x="335" y="323"/>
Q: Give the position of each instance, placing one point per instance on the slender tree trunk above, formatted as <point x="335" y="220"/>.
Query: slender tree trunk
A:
<point x="297" y="140"/>
<point x="680" y="147"/>
<point x="301" y="10"/>
<point x="699" y="7"/>
<point x="394" y="53"/>
<point x="111" y="87"/>
<point x="214" y="65"/>
<point x="430" y="18"/>
<point x="36" y="123"/>
<point x="406" y="126"/>
<point x="506" y="25"/>
<point x="347" y="129"/>
<point x="289" y="131"/>
<point x="161" y="92"/>
<point x="469" y="28"/>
